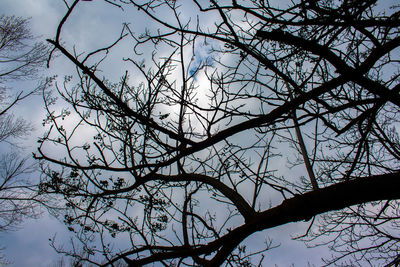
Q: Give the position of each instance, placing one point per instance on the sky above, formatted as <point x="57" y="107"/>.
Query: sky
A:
<point x="29" y="246"/>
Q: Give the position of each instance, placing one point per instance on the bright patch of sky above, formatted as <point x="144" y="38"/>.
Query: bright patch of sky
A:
<point x="203" y="57"/>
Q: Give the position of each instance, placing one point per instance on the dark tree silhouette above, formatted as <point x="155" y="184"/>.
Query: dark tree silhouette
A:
<point x="248" y="115"/>
<point x="21" y="58"/>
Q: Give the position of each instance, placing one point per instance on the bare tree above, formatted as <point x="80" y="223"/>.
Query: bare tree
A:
<point x="20" y="59"/>
<point x="247" y="116"/>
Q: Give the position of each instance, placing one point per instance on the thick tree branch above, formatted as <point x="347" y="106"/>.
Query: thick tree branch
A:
<point x="298" y="208"/>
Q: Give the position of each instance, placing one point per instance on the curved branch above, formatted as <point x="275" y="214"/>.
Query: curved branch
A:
<point x="240" y="203"/>
<point x="298" y="208"/>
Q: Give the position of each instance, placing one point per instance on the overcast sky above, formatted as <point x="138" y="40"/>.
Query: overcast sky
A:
<point x="30" y="246"/>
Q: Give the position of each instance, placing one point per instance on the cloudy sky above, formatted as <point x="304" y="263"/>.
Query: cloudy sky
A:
<point x="30" y="245"/>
